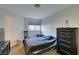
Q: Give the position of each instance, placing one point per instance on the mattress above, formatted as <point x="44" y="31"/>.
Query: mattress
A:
<point x="35" y="41"/>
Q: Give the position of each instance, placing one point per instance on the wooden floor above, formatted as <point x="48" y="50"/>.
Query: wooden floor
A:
<point x="19" y="50"/>
<point x="51" y="52"/>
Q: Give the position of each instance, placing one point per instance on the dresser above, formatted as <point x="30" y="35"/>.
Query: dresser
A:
<point x="67" y="41"/>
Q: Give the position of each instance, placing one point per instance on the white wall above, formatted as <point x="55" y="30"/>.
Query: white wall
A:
<point x="52" y="22"/>
<point x="1" y="21"/>
<point x="13" y="25"/>
<point x="26" y="23"/>
<point x="33" y="33"/>
<point x="26" y="28"/>
<point x="1" y="28"/>
<point x="13" y="28"/>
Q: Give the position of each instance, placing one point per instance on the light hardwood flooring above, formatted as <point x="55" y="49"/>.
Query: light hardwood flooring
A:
<point x="51" y="52"/>
<point x="17" y="50"/>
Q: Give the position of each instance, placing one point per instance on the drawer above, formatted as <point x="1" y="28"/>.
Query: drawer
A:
<point x="65" y="29"/>
<point x="63" y="52"/>
<point x="65" y="42"/>
<point x="64" y="39"/>
<point x="67" y="39"/>
<point x="65" y="33"/>
<point x="65" y="49"/>
<point x="64" y="36"/>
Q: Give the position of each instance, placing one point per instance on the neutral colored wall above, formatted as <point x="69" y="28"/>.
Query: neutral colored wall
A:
<point x="13" y="25"/>
<point x="33" y="33"/>
<point x="26" y="23"/>
<point x="1" y="21"/>
<point x="1" y="28"/>
<point x="13" y="28"/>
<point x="52" y="22"/>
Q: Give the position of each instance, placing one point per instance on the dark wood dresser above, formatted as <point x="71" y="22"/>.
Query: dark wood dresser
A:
<point x="4" y="47"/>
<point x="67" y="41"/>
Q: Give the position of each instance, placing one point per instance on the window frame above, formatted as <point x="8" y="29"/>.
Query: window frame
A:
<point x="34" y="28"/>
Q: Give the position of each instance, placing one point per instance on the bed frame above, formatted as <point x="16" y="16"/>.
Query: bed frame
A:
<point x="35" y="50"/>
<point x="38" y="49"/>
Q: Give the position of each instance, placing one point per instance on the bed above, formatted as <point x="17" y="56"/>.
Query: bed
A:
<point x="38" y="44"/>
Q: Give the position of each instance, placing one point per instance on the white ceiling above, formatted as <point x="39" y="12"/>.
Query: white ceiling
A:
<point x="28" y="10"/>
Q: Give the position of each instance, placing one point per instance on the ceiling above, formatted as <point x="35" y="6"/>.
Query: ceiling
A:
<point x="29" y="11"/>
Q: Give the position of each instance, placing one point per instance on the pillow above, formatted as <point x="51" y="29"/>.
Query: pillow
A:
<point x="50" y="37"/>
<point x="40" y="35"/>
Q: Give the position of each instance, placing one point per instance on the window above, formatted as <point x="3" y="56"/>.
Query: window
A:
<point x="34" y="27"/>
<point x="37" y="27"/>
<point x="31" y="27"/>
